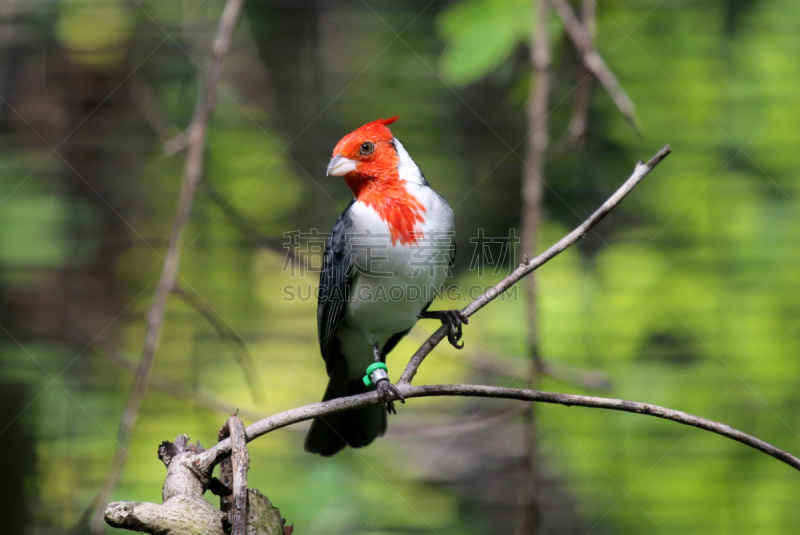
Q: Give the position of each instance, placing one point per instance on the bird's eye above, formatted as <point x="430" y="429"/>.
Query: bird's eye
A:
<point x="367" y="147"/>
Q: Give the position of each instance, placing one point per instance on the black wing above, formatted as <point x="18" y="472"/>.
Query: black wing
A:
<point x="334" y="287"/>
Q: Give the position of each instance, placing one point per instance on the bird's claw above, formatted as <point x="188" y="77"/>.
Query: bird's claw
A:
<point x="454" y="319"/>
<point x="388" y="394"/>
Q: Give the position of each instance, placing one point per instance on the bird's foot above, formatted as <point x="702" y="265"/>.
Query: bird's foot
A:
<point x="453" y="320"/>
<point x="388" y="394"/>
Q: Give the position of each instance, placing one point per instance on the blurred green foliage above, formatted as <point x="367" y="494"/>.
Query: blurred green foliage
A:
<point x="94" y="32"/>
<point x="686" y="296"/>
<point x="481" y="35"/>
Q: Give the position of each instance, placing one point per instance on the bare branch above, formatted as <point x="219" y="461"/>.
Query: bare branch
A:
<point x="460" y="428"/>
<point x="155" y="316"/>
<point x="245" y="225"/>
<point x="209" y="458"/>
<point x="576" y="130"/>
<point x="594" y="379"/>
<point x="560" y="371"/>
<point x="237" y="343"/>
<point x="640" y="171"/>
<point x="538" y="141"/>
<point x="535" y="156"/>
<point x="173" y="141"/>
<point x="532" y="193"/>
<point x="171" y="387"/>
<point x="594" y="61"/>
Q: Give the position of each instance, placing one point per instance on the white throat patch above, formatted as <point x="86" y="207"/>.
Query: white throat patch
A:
<point x="407" y="168"/>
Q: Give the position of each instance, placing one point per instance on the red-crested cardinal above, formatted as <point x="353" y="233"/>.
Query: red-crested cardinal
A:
<point x="386" y="258"/>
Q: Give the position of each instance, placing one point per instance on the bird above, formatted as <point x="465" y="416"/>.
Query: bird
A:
<point x="386" y="258"/>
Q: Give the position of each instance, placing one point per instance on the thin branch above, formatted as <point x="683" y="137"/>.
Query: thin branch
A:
<point x="211" y="457"/>
<point x="532" y="193"/>
<point x="245" y="225"/>
<point x="460" y="428"/>
<point x="172" y="140"/>
<point x="538" y="103"/>
<point x="640" y="171"/>
<point x="509" y="366"/>
<point x="594" y="61"/>
<point x="192" y="173"/>
<point x="237" y="343"/>
<point x="533" y="174"/>
<point x="250" y="229"/>
<point x="576" y="130"/>
<point x="173" y="387"/>
<point x="566" y="373"/>
<point x="594" y="379"/>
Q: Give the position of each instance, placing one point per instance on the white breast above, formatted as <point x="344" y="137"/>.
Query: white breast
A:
<point x="395" y="281"/>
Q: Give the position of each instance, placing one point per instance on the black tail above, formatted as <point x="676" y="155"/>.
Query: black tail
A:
<point x="355" y="428"/>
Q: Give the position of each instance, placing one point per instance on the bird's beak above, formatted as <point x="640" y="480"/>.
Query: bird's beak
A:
<point x="340" y="166"/>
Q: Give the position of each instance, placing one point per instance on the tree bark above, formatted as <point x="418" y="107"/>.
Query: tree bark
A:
<point x="184" y="510"/>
